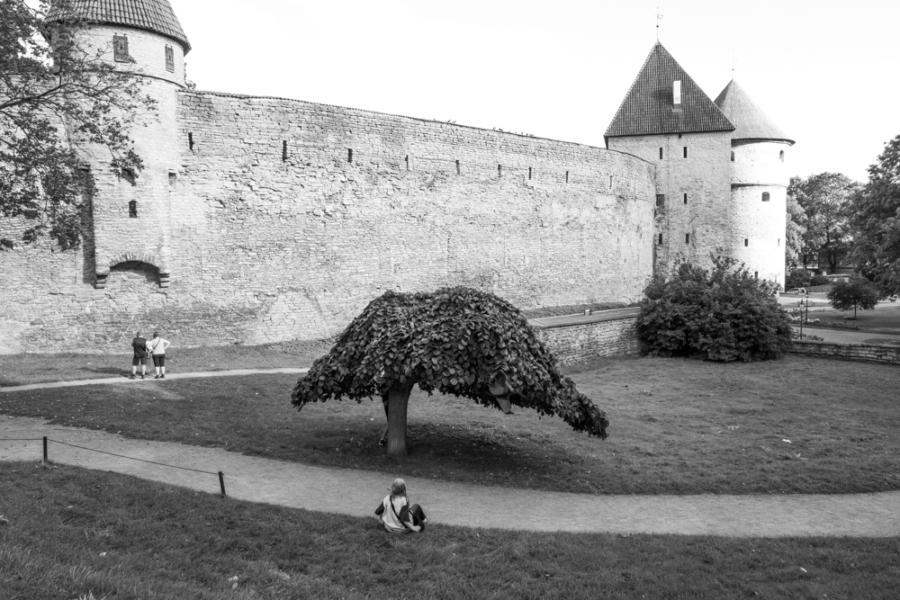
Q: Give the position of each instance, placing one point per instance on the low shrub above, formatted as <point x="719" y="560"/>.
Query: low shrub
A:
<point x="724" y="314"/>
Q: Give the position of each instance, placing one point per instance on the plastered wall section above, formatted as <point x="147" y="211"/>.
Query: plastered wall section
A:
<point x="761" y="168"/>
<point x="695" y="220"/>
<point x="274" y="231"/>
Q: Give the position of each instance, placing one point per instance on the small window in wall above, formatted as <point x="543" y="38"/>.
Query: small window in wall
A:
<point x="120" y="49"/>
<point x="659" y="240"/>
<point x="781" y="155"/>
<point x="685" y="198"/>
<point x="755" y="274"/>
<point x="746" y="242"/>
<point x="732" y="156"/>
<point x="687" y="238"/>
<point x="132" y="209"/>
<point x="765" y="196"/>
<point x="170" y="59"/>
<point x="684" y="151"/>
<point x="660" y="200"/>
<point x="660" y="154"/>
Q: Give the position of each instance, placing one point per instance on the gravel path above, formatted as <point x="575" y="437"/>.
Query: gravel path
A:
<point x="356" y="493"/>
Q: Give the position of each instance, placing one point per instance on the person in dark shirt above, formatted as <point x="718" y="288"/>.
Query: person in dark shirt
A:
<point x="139" y="346"/>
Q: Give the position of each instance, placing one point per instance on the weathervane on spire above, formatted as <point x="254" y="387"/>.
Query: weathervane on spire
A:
<point x="658" y="19"/>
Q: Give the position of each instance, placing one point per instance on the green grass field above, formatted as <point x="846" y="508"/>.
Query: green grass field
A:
<point x="798" y="425"/>
<point x="75" y="534"/>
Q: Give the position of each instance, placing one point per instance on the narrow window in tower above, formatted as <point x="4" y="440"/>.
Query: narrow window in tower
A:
<point x="499" y="170"/>
<point x="190" y="141"/>
<point x="779" y="242"/>
<point x="765" y="196"/>
<point x="684" y="151"/>
<point x="170" y="59"/>
<point x="406" y="158"/>
<point x="120" y="49"/>
<point x="781" y="155"/>
<point x="746" y="242"/>
<point x="732" y="156"/>
<point x="660" y="200"/>
<point x="687" y="238"/>
<point x="610" y="181"/>
<point x="529" y="172"/>
<point x="132" y="209"/>
<point x="173" y="177"/>
<point x="660" y="154"/>
<point x="685" y="198"/>
<point x="457" y="167"/>
<point x="349" y="155"/>
<point x="659" y="240"/>
<point x="755" y="274"/>
<point x="567" y="177"/>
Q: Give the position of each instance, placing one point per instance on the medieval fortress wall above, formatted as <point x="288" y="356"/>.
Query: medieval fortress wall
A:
<point x="267" y="219"/>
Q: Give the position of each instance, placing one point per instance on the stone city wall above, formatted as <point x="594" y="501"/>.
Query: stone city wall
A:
<point x="578" y="343"/>
<point x="285" y="218"/>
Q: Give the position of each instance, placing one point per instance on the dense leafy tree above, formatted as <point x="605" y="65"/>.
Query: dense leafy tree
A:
<point x="856" y="293"/>
<point x="52" y="94"/>
<point x="723" y="314"/>
<point x="875" y="221"/>
<point x="824" y="199"/>
<point x="794" y="230"/>
<point x="457" y="341"/>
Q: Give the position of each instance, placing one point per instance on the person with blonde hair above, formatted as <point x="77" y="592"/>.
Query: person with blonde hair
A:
<point x="396" y="514"/>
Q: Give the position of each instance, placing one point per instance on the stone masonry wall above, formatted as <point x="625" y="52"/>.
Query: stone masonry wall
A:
<point x="863" y="352"/>
<point x="285" y="218"/>
<point x="578" y="343"/>
<point x="695" y="218"/>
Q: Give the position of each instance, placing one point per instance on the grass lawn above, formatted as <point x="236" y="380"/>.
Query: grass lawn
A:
<point x="799" y="425"/>
<point x="19" y="369"/>
<point x="883" y="319"/>
<point x="76" y="534"/>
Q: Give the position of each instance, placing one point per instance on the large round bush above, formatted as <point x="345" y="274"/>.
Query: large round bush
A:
<point x="723" y="314"/>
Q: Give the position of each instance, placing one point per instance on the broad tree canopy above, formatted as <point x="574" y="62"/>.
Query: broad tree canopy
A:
<point x="457" y="341"/>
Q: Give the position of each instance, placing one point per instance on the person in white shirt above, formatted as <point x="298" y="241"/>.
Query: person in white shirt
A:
<point x="157" y="347"/>
<point x="395" y="513"/>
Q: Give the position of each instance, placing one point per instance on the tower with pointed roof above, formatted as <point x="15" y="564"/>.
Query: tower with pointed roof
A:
<point x="145" y="39"/>
<point x="720" y="177"/>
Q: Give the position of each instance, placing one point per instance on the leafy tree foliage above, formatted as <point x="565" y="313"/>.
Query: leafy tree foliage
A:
<point x="876" y="222"/>
<point x="825" y="200"/>
<point x="457" y="341"/>
<point x="794" y="230"/>
<point x="724" y="314"/>
<point x="51" y="95"/>
<point x="856" y="293"/>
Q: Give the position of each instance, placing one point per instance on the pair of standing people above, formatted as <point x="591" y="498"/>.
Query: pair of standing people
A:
<point x="156" y="348"/>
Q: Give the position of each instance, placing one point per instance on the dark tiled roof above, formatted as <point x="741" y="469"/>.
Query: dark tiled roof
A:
<point x="750" y="122"/>
<point x="150" y="15"/>
<point x="649" y="109"/>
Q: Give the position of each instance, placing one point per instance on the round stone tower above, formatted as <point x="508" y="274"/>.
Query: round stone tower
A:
<point x="131" y="215"/>
<point x="759" y="180"/>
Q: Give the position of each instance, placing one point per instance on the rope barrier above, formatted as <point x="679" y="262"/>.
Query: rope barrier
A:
<point x="45" y="439"/>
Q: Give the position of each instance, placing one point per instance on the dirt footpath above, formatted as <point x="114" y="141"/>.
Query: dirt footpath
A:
<point x="356" y="493"/>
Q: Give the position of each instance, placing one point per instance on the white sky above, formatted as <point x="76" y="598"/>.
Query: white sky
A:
<point x="826" y="72"/>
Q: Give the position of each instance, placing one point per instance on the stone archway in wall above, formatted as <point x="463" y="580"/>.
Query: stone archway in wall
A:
<point x="136" y="267"/>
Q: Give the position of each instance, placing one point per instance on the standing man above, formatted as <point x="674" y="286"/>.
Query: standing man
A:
<point x="139" y="346"/>
<point x="157" y="347"/>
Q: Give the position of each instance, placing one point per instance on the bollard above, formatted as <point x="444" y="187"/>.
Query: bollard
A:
<point x="222" y="483"/>
<point x="45" y="450"/>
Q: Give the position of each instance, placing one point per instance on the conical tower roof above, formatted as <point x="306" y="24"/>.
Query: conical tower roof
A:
<point x="751" y="123"/>
<point x="150" y="15"/>
<point x="649" y="107"/>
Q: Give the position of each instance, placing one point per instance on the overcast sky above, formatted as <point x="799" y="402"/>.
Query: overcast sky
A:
<point x="826" y="72"/>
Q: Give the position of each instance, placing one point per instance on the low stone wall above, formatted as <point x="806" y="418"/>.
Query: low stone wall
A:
<point x="863" y="352"/>
<point x="574" y="343"/>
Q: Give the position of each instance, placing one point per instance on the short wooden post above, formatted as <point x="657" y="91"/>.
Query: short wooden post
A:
<point x="222" y="483"/>
<point x="45" y="449"/>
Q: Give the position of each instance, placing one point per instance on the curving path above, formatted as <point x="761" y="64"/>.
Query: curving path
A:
<point x="356" y="493"/>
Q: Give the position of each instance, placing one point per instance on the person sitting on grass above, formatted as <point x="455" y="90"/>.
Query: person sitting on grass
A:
<point x="395" y="513"/>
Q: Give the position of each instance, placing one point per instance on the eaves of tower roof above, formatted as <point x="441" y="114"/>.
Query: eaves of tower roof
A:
<point x="156" y="16"/>
<point x="751" y="123"/>
<point x="649" y="107"/>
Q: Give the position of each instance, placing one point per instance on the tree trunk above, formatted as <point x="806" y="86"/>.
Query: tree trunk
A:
<point x="398" y="399"/>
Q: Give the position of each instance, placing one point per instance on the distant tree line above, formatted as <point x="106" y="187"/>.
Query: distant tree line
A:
<point x="833" y="221"/>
